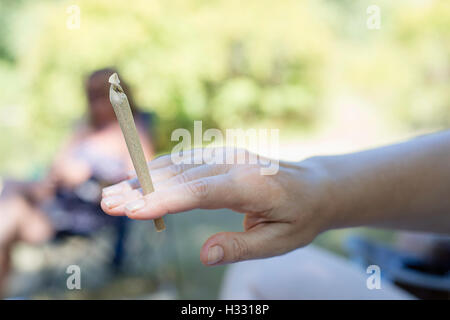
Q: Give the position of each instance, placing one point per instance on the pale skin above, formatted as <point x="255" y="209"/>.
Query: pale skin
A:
<point x="403" y="186"/>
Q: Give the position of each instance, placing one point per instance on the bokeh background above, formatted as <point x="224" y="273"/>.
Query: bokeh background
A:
<point x="312" y="69"/>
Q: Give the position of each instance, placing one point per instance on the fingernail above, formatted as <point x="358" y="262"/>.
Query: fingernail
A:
<point x="109" y="191"/>
<point x="135" y="205"/>
<point x="113" y="201"/>
<point x="215" y="254"/>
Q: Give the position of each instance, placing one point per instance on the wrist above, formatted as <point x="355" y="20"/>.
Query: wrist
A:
<point x="323" y="191"/>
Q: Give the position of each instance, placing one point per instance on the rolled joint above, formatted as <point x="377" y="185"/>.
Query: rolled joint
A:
<point x="114" y="81"/>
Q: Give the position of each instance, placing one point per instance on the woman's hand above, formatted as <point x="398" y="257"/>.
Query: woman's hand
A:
<point x="39" y="191"/>
<point x="282" y="211"/>
<point x="70" y="172"/>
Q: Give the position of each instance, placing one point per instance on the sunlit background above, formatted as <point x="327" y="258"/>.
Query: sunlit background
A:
<point x="312" y="69"/>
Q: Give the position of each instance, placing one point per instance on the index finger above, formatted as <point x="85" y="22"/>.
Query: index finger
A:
<point x="212" y="192"/>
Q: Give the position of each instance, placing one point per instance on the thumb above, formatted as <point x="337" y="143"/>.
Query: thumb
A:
<point x="227" y="247"/>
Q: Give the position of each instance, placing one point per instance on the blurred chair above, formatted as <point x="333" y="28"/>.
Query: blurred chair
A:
<point x="421" y="275"/>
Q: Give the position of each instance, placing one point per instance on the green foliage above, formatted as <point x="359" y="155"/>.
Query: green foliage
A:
<point x="229" y="63"/>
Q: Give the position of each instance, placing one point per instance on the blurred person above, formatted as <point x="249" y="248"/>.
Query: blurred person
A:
<point x="67" y="200"/>
<point x="405" y="186"/>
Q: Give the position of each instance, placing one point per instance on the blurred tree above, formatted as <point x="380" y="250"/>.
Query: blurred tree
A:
<point x="229" y="63"/>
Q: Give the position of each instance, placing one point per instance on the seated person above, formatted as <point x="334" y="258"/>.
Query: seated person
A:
<point x="67" y="200"/>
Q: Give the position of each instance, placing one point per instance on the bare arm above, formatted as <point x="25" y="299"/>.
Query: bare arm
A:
<point x="405" y="186"/>
<point x="400" y="186"/>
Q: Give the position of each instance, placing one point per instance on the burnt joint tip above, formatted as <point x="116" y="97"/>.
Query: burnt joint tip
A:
<point x="117" y="88"/>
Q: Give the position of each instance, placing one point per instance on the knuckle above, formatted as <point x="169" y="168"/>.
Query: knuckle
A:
<point x="198" y="189"/>
<point x="242" y="152"/>
<point x="175" y="169"/>
<point x="240" y="249"/>
<point x="181" y="178"/>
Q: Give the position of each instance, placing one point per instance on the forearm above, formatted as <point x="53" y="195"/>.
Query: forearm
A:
<point x="405" y="186"/>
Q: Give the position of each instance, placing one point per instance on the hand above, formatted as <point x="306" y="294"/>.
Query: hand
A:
<point x="282" y="211"/>
<point x="40" y="190"/>
<point x="70" y="172"/>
